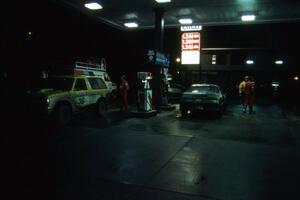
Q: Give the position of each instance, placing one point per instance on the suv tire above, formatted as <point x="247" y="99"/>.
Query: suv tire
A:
<point x="101" y="108"/>
<point x="63" y="114"/>
<point x="113" y="95"/>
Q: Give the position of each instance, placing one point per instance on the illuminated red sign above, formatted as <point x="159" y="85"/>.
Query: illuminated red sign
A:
<point x="190" y="41"/>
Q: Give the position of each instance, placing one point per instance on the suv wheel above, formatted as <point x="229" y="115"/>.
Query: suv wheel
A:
<point x="101" y="108"/>
<point x="63" y="114"/>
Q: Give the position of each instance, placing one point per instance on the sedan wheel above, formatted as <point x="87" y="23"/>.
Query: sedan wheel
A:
<point x="220" y="113"/>
<point x="183" y="113"/>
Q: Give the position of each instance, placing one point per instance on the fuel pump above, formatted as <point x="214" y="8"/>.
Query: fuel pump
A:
<point x="144" y="92"/>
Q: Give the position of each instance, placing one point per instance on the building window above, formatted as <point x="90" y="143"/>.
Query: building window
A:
<point x="213" y="59"/>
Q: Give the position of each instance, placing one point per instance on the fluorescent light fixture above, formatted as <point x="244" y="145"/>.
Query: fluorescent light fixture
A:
<point x="249" y="62"/>
<point x="275" y="84"/>
<point x="185" y="21"/>
<point x="248" y="18"/>
<point x="131" y="24"/>
<point x="278" y="62"/>
<point x="93" y="6"/>
<point x="163" y="1"/>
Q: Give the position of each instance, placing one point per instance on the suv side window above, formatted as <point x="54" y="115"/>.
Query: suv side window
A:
<point x="97" y="83"/>
<point x="80" y="85"/>
<point x="101" y="83"/>
<point x="94" y="83"/>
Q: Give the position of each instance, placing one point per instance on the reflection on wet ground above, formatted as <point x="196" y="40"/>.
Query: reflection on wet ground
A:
<point x="239" y="156"/>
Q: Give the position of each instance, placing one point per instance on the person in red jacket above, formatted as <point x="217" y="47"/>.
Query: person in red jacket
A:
<point x="123" y="91"/>
<point x="246" y="89"/>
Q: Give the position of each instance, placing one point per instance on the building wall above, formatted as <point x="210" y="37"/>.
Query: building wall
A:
<point x="230" y="70"/>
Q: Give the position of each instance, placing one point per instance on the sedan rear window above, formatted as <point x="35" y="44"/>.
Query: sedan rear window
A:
<point x="203" y="89"/>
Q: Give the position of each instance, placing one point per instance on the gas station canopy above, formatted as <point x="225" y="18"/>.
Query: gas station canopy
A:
<point x="139" y="14"/>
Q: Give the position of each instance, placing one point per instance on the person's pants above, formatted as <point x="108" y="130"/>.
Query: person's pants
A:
<point x="124" y="102"/>
<point x="248" y="101"/>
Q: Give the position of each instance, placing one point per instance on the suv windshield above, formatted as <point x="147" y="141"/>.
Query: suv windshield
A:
<point x="203" y="89"/>
<point x="57" y="83"/>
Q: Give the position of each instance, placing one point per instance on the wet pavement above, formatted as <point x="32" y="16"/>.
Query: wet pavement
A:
<point x="239" y="156"/>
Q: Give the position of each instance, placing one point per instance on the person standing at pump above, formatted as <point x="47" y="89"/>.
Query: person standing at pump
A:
<point x="246" y="90"/>
<point x="123" y="91"/>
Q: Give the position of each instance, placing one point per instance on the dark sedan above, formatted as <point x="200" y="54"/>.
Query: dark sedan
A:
<point x="203" y="97"/>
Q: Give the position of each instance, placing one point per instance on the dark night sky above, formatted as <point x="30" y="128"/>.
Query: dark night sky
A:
<point x="61" y="34"/>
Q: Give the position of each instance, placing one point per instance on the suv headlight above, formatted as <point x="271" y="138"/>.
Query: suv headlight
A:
<point x="48" y="102"/>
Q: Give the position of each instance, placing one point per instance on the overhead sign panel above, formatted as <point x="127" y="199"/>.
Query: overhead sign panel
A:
<point x="158" y="58"/>
<point x="190" y="48"/>
<point x="191" y="28"/>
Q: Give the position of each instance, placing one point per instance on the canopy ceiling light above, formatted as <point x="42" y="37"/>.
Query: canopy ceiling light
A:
<point x="185" y="21"/>
<point x="247" y="18"/>
<point x="279" y="62"/>
<point x="131" y="24"/>
<point x="163" y="1"/>
<point x="93" y="6"/>
<point x="249" y="62"/>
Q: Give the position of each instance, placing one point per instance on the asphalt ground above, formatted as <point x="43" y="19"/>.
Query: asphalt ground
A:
<point x="239" y="156"/>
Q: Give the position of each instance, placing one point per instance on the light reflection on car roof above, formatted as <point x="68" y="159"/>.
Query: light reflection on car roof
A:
<point x="203" y="84"/>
